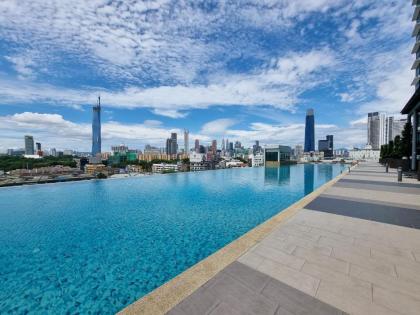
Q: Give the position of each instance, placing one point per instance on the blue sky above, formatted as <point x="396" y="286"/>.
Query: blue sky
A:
<point x="243" y="70"/>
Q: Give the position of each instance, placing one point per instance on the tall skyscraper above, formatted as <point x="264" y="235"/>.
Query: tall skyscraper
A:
<point x="393" y="128"/>
<point x="214" y="146"/>
<point x="376" y="130"/>
<point x="327" y="146"/>
<point x="197" y="146"/>
<point x="310" y="131"/>
<point x="38" y="146"/>
<point x="186" y="141"/>
<point x="29" y="145"/>
<point x="172" y="144"/>
<point x="96" y="128"/>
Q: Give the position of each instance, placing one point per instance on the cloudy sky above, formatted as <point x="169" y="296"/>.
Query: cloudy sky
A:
<point x="244" y="70"/>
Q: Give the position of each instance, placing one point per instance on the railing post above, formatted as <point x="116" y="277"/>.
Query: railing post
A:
<point x="399" y="170"/>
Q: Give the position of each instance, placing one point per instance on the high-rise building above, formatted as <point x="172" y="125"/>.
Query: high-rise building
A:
<point x="29" y="145"/>
<point x="96" y="128"/>
<point x="172" y="144"/>
<point x="376" y="130"/>
<point x="256" y="147"/>
<point x="214" y="146"/>
<point x="327" y="146"/>
<point x="310" y="131"/>
<point x="394" y="127"/>
<point x="186" y="141"/>
<point x="197" y="146"/>
<point x="412" y="107"/>
<point x="38" y="146"/>
<point x="53" y="152"/>
<point x="298" y="151"/>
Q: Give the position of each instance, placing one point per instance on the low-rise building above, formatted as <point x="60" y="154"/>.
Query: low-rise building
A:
<point x="164" y="167"/>
<point x="365" y="154"/>
<point x="314" y="156"/>
<point x="257" y="159"/>
<point x="274" y="155"/>
<point x="94" y="169"/>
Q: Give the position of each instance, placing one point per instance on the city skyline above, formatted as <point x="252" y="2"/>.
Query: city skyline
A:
<point x="255" y="88"/>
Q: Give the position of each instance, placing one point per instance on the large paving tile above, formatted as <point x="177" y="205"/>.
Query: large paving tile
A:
<point x="351" y="284"/>
<point x="227" y="289"/>
<point x="365" y="262"/>
<point x="290" y="243"/>
<point x="398" y="302"/>
<point x="343" y="299"/>
<point x="387" y="282"/>
<point x="251" y="259"/>
<point x="279" y="256"/>
<point x="325" y="261"/>
<point x="293" y="301"/>
<point x="256" y="281"/>
<point x="333" y="243"/>
<point x="290" y="276"/>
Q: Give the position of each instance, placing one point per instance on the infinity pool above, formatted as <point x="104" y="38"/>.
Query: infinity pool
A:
<point x="96" y="246"/>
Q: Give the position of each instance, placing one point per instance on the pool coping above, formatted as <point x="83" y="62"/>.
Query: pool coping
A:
<point x="169" y="294"/>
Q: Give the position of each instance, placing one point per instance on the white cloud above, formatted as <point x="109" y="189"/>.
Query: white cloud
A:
<point x="279" y="86"/>
<point x="218" y="126"/>
<point x="52" y="130"/>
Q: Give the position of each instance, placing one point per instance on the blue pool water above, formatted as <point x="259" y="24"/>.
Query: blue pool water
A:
<point x="96" y="246"/>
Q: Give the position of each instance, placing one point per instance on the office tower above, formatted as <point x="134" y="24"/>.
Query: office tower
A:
<point x="310" y="131"/>
<point x="223" y="145"/>
<point x="256" y="147"/>
<point x="29" y="145"/>
<point x="96" y="128"/>
<point x="186" y="141"/>
<point x="53" y="152"/>
<point x="393" y="128"/>
<point x="376" y="130"/>
<point x="398" y="127"/>
<point x="38" y="146"/>
<point x="298" y="151"/>
<point x="327" y="146"/>
<point x="197" y="146"/>
<point x="172" y="144"/>
<point x="214" y="146"/>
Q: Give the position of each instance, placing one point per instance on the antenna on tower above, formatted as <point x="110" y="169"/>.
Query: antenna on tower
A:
<point x="99" y="100"/>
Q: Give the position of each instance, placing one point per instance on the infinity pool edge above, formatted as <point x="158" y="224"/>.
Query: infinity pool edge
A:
<point x="165" y="297"/>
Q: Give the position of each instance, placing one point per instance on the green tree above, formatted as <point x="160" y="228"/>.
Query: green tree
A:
<point x="397" y="152"/>
<point x="406" y="140"/>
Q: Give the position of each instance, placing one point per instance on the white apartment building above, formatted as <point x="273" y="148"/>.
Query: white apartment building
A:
<point x="382" y="129"/>
<point x="162" y="167"/>
<point x="364" y="154"/>
<point x="257" y="159"/>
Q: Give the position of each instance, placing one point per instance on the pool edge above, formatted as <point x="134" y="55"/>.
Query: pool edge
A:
<point x="169" y="294"/>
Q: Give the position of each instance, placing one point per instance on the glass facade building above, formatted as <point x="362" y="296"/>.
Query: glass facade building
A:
<point x="310" y="131"/>
<point x="96" y="128"/>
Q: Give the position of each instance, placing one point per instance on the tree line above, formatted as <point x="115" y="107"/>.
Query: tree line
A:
<point x="400" y="146"/>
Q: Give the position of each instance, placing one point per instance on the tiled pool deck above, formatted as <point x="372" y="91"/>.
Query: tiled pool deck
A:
<point x="352" y="247"/>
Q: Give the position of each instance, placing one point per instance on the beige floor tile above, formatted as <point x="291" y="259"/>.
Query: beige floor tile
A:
<point x="387" y="282"/>
<point x="323" y="260"/>
<point x="279" y="256"/>
<point x="291" y="241"/>
<point x="353" y="285"/>
<point x="251" y="259"/>
<point x="408" y="274"/>
<point x="360" y="250"/>
<point x="364" y="262"/>
<point x="396" y="301"/>
<point x="348" y="302"/>
<point x="290" y="276"/>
